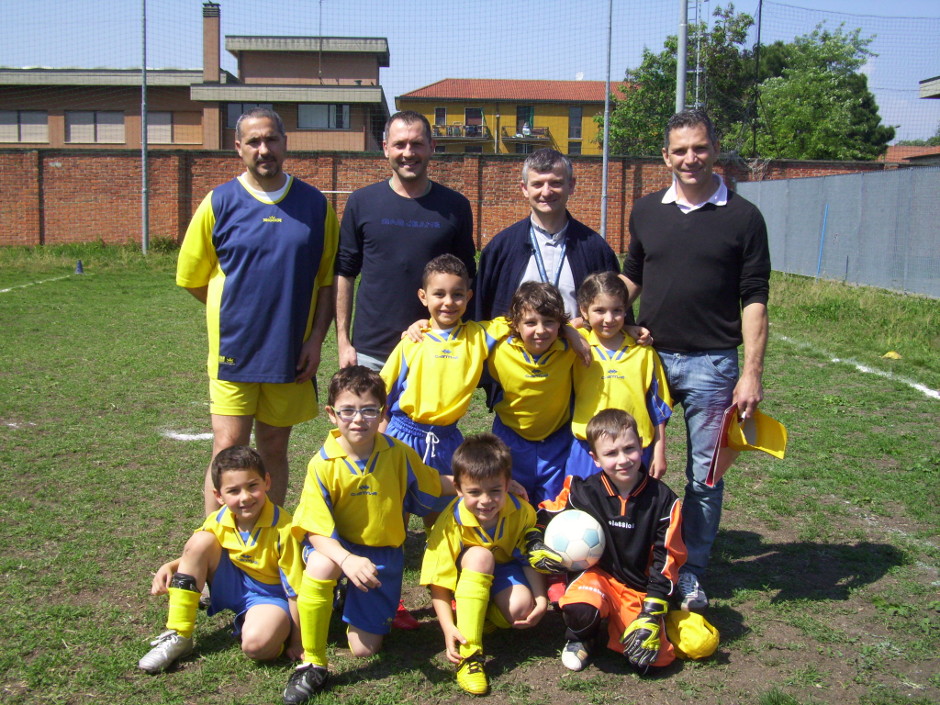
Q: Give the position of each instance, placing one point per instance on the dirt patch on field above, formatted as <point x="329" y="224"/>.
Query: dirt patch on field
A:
<point x="818" y="622"/>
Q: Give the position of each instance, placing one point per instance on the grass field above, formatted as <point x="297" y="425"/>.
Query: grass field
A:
<point x="824" y="579"/>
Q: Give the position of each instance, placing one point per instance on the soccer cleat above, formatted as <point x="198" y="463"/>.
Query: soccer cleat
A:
<point x="167" y="648"/>
<point x="305" y="682"/>
<point x="471" y="676"/>
<point x="693" y="597"/>
<point x="339" y="594"/>
<point x="404" y="619"/>
<point x="575" y="656"/>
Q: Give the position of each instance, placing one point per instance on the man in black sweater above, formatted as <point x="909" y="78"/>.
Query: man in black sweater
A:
<point x="699" y="254"/>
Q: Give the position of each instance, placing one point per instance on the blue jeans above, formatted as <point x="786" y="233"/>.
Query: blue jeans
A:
<point x="703" y="382"/>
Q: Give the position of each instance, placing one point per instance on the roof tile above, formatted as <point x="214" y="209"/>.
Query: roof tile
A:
<point x="512" y="90"/>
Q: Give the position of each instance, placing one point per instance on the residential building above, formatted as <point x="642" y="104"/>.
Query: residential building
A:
<point x="326" y="89"/>
<point x="506" y="116"/>
<point x="911" y="154"/>
<point x="930" y="87"/>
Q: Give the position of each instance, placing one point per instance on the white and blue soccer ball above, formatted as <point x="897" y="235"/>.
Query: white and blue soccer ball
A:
<point x="577" y="537"/>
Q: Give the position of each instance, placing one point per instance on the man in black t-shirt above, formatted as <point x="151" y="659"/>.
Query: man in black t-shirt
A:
<point x="389" y="231"/>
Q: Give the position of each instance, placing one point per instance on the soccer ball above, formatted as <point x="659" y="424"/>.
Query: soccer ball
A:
<point x="577" y="537"/>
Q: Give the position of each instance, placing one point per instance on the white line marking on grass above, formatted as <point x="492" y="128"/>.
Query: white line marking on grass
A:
<point x="177" y="436"/>
<point x="922" y="388"/>
<point x="41" y="281"/>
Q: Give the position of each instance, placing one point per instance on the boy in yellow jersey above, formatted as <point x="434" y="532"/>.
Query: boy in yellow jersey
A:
<point x="358" y="488"/>
<point x="430" y="382"/>
<point x="533" y="370"/>
<point x="476" y="556"/>
<point x="246" y="553"/>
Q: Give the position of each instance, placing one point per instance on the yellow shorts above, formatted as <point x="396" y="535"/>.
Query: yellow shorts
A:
<point x="274" y="404"/>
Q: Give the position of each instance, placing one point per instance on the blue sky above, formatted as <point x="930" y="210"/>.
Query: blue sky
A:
<point x="548" y="39"/>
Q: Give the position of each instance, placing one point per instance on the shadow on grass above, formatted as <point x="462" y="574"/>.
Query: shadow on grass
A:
<point x="422" y="650"/>
<point x="797" y="571"/>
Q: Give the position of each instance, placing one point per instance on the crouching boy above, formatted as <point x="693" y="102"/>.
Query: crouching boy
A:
<point x="246" y="554"/>
<point x="636" y="577"/>
<point x="476" y="556"/>
<point x="358" y="488"/>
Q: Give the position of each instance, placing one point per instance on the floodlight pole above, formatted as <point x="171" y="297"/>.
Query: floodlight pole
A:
<point x="144" y="195"/>
<point x="606" y="158"/>
<point x="681" y="54"/>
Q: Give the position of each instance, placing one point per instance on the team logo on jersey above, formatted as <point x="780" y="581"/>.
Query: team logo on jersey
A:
<point x="613" y="374"/>
<point x="247" y="558"/>
<point x="446" y="354"/>
<point x="621" y="524"/>
<point x="227" y="360"/>
<point x="536" y="373"/>
<point x="272" y="219"/>
<point x="363" y="490"/>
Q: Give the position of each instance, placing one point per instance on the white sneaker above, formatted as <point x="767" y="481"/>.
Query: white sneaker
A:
<point x="575" y="656"/>
<point x="167" y="648"/>
<point x="690" y="590"/>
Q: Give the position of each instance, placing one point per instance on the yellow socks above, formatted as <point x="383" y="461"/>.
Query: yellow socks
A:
<point x="473" y="598"/>
<point x="315" y="607"/>
<point x="495" y="620"/>
<point x="182" y="614"/>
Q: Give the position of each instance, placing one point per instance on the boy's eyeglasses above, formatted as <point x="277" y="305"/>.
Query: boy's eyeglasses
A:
<point x="347" y="413"/>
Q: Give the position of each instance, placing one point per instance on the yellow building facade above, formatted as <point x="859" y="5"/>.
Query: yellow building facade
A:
<point x="505" y="116"/>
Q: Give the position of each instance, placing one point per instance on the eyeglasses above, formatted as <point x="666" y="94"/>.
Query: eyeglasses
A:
<point x="348" y="413"/>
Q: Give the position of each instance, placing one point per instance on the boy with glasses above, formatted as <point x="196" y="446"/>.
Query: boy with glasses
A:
<point x="351" y="516"/>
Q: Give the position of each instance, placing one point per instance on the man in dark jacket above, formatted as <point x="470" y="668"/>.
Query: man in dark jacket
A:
<point x="548" y="245"/>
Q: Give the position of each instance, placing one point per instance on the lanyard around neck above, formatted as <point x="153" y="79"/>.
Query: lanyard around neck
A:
<point x="540" y="263"/>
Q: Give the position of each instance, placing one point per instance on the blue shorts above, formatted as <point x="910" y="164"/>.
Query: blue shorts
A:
<point x="506" y="575"/>
<point x="539" y="466"/>
<point x="233" y="589"/>
<point x="581" y="464"/>
<point x="435" y="445"/>
<point x="373" y="611"/>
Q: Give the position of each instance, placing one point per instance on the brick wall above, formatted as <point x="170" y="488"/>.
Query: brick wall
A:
<point x="52" y="196"/>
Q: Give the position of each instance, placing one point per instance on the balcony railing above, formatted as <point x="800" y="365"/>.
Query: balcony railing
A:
<point x="461" y="132"/>
<point x="527" y="134"/>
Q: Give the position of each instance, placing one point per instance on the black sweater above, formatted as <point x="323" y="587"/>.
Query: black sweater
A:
<point x="697" y="270"/>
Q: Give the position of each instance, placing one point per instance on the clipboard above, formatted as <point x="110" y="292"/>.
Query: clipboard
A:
<point x="722" y="455"/>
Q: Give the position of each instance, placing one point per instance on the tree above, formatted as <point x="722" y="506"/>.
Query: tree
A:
<point x="819" y="106"/>
<point x="805" y="100"/>
<point x="929" y="142"/>
<point x="647" y="96"/>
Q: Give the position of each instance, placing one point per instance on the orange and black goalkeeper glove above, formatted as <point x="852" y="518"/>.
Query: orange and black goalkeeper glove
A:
<point x="641" y="639"/>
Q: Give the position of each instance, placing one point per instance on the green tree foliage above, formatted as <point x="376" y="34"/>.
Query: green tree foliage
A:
<point x="646" y="99"/>
<point x="819" y="105"/>
<point x="805" y="99"/>
<point x="929" y="142"/>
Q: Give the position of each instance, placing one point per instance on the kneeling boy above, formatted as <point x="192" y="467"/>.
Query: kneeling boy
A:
<point x="246" y="554"/>
<point x="476" y="555"/>
<point x="358" y="488"/>
<point x="636" y="576"/>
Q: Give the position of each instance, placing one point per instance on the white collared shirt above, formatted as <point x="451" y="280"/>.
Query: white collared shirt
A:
<point x="719" y="198"/>
<point x="550" y="247"/>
